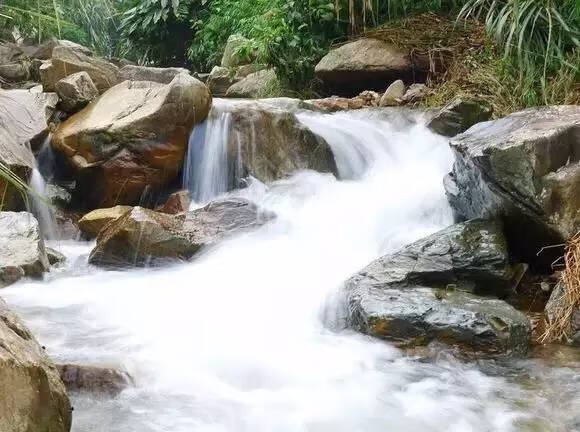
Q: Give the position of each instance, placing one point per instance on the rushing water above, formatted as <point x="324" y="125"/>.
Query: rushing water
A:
<point x="243" y="338"/>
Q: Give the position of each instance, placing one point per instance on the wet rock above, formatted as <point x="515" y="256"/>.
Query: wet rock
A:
<point x="259" y="84"/>
<point x="393" y="94"/>
<point x="55" y="258"/>
<point x="177" y="203"/>
<point x="418" y="316"/>
<point x="33" y="397"/>
<point x="23" y="122"/>
<point x="44" y="51"/>
<point x="131" y="139"/>
<point x="335" y="104"/>
<point x="66" y="61"/>
<point x="76" y="91"/>
<point x="22" y="251"/>
<point x="145" y="237"/>
<point x="471" y="256"/>
<point x="458" y="116"/>
<point x="58" y="196"/>
<point x="93" y="379"/>
<point x="232" y="56"/>
<point x="366" y="64"/>
<point x="281" y="147"/>
<point x="93" y="222"/>
<point x="143" y="73"/>
<point x="524" y="168"/>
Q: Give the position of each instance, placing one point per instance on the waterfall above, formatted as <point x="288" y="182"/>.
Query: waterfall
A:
<point x="209" y="170"/>
<point x="40" y="207"/>
<point x="238" y="339"/>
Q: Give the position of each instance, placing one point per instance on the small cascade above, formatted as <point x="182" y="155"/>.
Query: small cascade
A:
<point x="40" y="206"/>
<point x="208" y="170"/>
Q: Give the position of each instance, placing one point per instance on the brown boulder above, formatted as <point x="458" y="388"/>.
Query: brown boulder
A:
<point x="33" y="397"/>
<point x="178" y="202"/>
<point x="93" y="379"/>
<point x="132" y="138"/>
<point x="93" y="222"/>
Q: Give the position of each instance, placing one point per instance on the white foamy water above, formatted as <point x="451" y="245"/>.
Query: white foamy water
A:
<point x="240" y="339"/>
<point x="40" y="206"/>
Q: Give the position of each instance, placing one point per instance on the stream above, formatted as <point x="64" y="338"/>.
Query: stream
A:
<point x="248" y="336"/>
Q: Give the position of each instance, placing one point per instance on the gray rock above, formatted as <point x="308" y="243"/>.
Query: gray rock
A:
<point x="76" y="91"/>
<point x="24" y="120"/>
<point x="367" y="64"/>
<point x="393" y="94"/>
<point x="415" y="93"/>
<point x="472" y="256"/>
<point x="55" y="258"/>
<point x="524" y="168"/>
<point x="458" y="116"/>
<point x="143" y="73"/>
<point x="33" y="397"/>
<point x="58" y="195"/>
<point x="44" y="51"/>
<point x="66" y="61"/>
<point x="145" y="237"/>
<point x="10" y="52"/>
<point x="259" y="84"/>
<point x="15" y="72"/>
<point x="221" y="79"/>
<point x="283" y="144"/>
<point x="94" y="379"/>
<point x="418" y="316"/>
<point x="230" y="57"/>
<point x="22" y="251"/>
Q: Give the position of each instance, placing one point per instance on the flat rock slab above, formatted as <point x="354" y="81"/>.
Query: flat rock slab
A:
<point x="418" y="316"/>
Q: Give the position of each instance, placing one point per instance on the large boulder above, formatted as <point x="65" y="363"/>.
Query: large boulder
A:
<point x="458" y="116"/>
<point x="221" y="78"/>
<point x="76" y="91"/>
<point x="66" y="61"/>
<point x="144" y="73"/>
<point x="132" y="138"/>
<point x="418" y="315"/>
<point x="267" y="141"/>
<point x="367" y="64"/>
<point x="22" y="251"/>
<point x="44" y="51"/>
<point x="524" y="168"/>
<point x="23" y="124"/>
<point x="471" y="256"/>
<point x="93" y="222"/>
<point x="263" y="83"/>
<point x="15" y="72"/>
<point x="233" y="52"/>
<point x="33" y="397"/>
<point x="145" y="237"/>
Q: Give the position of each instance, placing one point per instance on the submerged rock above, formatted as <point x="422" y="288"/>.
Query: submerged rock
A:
<point x="472" y="256"/>
<point x="22" y="251"/>
<point x="418" y="316"/>
<point x="33" y="397"/>
<point x="93" y="222"/>
<point x="143" y="237"/>
<point x="93" y="379"/>
<point x="76" y="91"/>
<point x="524" y="168"/>
<point x="367" y="64"/>
<point x="132" y="138"/>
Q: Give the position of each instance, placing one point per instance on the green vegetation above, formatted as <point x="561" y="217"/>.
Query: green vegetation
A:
<point x="531" y="57"/>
